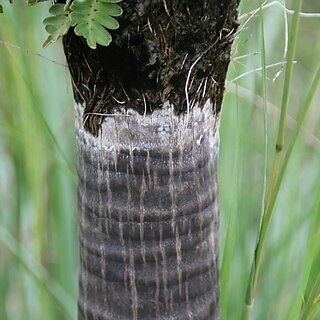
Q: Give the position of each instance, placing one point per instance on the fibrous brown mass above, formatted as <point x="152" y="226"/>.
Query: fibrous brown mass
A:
<point x="164" y="50"/>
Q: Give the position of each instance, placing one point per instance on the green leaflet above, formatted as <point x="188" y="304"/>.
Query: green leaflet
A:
<point x="57" y="24"/>
<point x="92" y="18"/>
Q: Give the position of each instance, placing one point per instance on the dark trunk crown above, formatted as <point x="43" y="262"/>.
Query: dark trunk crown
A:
<point x="162" y="50"/>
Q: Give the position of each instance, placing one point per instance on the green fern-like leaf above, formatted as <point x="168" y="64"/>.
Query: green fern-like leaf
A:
<point x="57" y="24"/>
<point x="92" y="18"/>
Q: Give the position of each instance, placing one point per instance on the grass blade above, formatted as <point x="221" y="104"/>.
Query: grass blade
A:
<point x="268" y="210"/>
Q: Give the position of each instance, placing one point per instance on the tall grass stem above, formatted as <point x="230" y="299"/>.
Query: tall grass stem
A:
<point x="270" y="199"/>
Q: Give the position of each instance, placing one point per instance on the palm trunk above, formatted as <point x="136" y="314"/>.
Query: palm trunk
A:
<point x="147" y="135"/>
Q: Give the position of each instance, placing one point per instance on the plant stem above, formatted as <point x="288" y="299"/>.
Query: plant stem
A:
<point x="312" y="308"/>
<point x="271" y="195"/>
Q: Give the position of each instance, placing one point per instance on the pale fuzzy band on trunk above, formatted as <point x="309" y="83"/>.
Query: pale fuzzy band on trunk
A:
<point x="149" y="216"/>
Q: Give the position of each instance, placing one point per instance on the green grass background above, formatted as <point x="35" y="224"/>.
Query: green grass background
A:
<point x="38" y="219"/>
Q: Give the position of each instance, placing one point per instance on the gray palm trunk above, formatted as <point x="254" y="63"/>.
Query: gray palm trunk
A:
<point x="149" y="217"/>
<point x="147" y="192"/>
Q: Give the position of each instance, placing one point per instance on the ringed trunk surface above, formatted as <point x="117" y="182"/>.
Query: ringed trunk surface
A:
<point x="149" y="216"/>
<point x="147" y="118"/>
